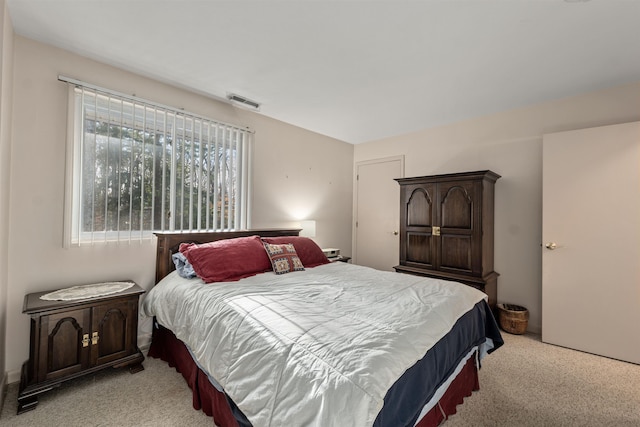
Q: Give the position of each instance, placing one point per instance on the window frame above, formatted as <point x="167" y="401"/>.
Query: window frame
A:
<point x="74" y="235"/>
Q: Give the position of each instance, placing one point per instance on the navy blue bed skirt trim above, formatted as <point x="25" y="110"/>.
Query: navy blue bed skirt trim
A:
<point x="406" y="398"/>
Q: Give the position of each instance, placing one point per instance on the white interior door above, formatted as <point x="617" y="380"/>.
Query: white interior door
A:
<point x="591" y="225"/>
<point x="378" y="213"/>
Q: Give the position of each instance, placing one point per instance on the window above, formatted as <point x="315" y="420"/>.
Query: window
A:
<point x="138" y="167"/>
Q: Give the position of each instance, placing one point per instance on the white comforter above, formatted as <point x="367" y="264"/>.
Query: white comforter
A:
<point x="319" y="347"/>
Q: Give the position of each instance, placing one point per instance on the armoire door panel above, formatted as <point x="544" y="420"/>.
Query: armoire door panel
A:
<point x="419" y="208"/>
<point x="455" y="253"/>
<point x="419" y="248"/>
<point x="456" y="208"/>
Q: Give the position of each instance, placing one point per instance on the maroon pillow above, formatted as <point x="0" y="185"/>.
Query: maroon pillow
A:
<point x="308" y="251"/>
<point x="227" y="260"/>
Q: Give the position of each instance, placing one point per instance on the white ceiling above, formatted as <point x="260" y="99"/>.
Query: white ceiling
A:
<point x="356" y="70"/>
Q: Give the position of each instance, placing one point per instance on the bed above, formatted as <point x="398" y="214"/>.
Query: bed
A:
<point x="321" y="344"/>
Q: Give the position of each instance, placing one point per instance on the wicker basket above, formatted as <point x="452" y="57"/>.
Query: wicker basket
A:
<point x="513" y="318"/>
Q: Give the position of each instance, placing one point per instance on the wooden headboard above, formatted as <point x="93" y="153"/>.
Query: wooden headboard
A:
<point x="169" y="243"/>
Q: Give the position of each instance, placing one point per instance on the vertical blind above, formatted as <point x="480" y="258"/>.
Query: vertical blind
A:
<point x="140" y="167"/>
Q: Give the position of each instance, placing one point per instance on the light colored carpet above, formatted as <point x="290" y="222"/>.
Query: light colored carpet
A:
<point x="525" y="383"/>
<point x="157" y="396"/>
<point x="529" y="383"/>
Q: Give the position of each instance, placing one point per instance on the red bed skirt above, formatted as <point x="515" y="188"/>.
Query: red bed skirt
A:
<point x="167" y="347"/>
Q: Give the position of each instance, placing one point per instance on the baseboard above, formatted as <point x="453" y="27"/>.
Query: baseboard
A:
<point x="534" y="329"/>
<point x="3" y="391"/>
<point x="13" y="377"/>
<point x="144" y="342"/>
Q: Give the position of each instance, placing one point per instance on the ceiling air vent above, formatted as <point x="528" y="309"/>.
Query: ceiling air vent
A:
<point x="241" y="101"/>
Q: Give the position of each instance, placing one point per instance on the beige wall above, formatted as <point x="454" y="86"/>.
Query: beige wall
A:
<point x="6" y="73"/>
<point x="509" y="143"/>
<point x="295" y="173"/>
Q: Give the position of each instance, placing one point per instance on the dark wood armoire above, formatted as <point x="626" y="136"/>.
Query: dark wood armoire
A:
<point x="446" y="228"/>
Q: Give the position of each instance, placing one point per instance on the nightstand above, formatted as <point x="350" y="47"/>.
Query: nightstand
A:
<point x="73" y="338"/>
<point x="340" y="259"/>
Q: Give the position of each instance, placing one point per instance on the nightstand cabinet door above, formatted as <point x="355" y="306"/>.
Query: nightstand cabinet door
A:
<point x="112" y="332"/>
<point x="63" y="348"/>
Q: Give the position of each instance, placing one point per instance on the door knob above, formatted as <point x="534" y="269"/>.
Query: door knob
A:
<point x="551" y="245"/>
<point x="395" y="232"/>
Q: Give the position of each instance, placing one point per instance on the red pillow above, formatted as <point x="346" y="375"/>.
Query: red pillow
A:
<point x="308" y="251"/>
<point x="227" y="260"/>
